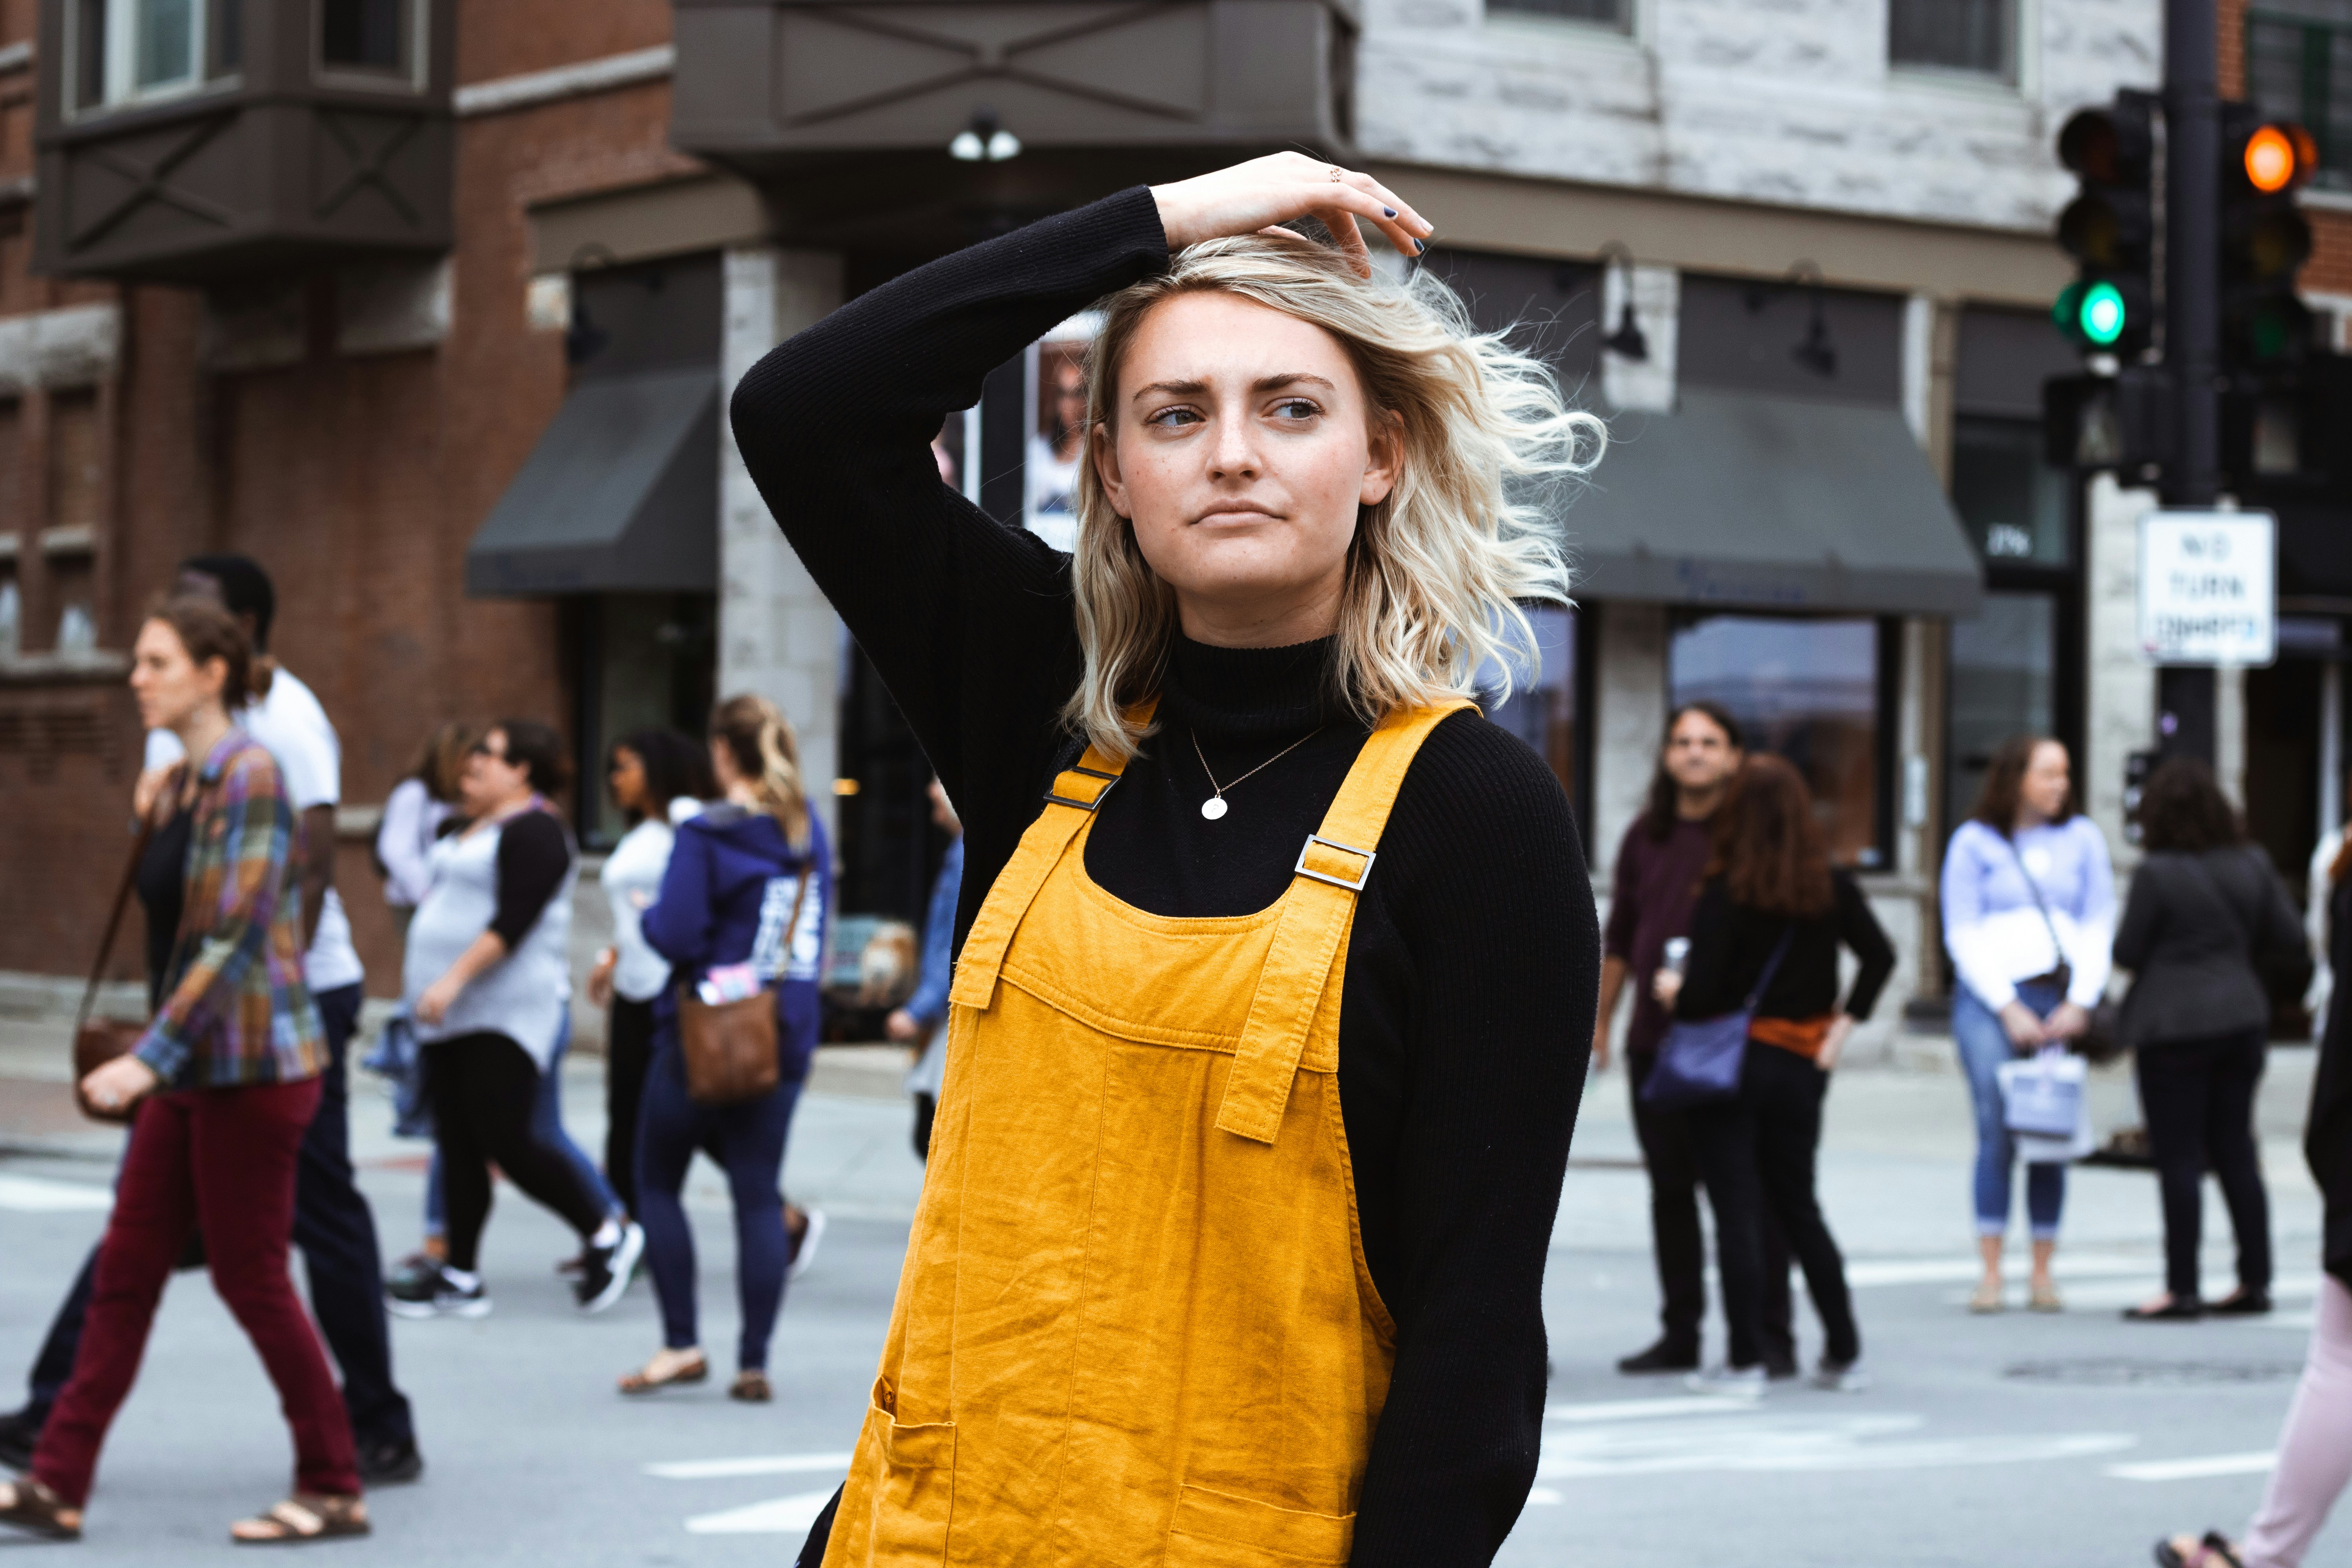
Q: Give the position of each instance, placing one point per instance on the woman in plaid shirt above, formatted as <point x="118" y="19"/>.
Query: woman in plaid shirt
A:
<point x="227" y="1075"/>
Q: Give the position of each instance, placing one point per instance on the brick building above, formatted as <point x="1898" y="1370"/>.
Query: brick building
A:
<point x="430" y="306"/>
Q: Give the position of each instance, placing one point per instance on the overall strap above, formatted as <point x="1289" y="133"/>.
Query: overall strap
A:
<point x="1317" y="915"/>
<point x="1077" y="792"/>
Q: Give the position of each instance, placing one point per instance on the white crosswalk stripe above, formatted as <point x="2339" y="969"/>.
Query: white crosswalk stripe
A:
<point x="2194" y="1469"/>
<point x="33" y="1194"/>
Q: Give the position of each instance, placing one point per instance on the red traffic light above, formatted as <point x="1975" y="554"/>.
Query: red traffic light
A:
<point x="2109" y="146"/>
<point x="2279" y="157"/>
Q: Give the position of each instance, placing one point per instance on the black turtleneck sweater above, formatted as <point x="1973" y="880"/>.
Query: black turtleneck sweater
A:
<point x="1473" y="967"/>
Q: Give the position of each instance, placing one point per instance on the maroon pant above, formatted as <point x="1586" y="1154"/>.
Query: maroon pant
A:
<point x="222" y="1159"/>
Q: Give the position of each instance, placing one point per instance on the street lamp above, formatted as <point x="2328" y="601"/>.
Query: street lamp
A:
<point x="1628" y="342"/>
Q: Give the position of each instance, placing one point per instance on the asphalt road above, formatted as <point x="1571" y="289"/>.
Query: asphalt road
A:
<point x="2025" y="1440"/>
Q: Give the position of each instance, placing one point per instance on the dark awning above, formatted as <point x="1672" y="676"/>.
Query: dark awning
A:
<point x="1737" y="498"/>
<point x="620" y="495"/>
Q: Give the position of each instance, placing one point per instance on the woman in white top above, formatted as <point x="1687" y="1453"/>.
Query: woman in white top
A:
<point x="658" y="779"/>
<point x="412" y="814"/>
<point x="2029" y="904"/>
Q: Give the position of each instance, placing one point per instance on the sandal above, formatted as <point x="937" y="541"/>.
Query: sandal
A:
<point x="305" y="1516"/>
<point x="2045" y="1298"/>
<point x="2213" y="1551"/>
<point x="751" y="1387"/>
<point x="689" y="1368"/>
<point x="36" y="1510"/>
<point x="1987" y="1299"/>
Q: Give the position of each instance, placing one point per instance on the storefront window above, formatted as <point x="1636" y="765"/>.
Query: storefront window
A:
<point x="651" y="660"/>
<point x="1056" y="433"/>
<point x="2004" y="682"/>
<point x="1543" y="711"/>
<point x="1809" y="690"/>
<point x="2014" y="504"/>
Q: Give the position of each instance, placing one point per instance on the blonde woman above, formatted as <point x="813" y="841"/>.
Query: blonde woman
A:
<point x="746" y="884"/>
<point x="1278" y="962"/>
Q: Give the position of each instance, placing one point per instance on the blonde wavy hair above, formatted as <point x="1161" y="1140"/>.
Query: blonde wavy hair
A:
<point x="761" y="740"/>
<point x="1437" y="571"/>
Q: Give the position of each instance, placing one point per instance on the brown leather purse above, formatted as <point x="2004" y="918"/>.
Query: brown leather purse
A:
<point x="97" y="1041"/>
<point x="730" y="1047"/>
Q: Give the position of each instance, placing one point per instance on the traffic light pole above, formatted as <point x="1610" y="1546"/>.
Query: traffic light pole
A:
<point x="2192" y="320"/>
<point x="2192" y="249"/>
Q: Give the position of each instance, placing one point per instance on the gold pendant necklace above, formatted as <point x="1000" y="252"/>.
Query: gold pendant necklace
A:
<point x="1213" y="808"/>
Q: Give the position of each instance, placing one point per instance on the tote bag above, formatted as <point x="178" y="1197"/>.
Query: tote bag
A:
<point x="2041" y="1095"/>
<point x="1700" y="1059"/>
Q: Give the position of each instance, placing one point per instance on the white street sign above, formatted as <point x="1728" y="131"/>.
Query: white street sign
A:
<point x="2208" y="587"/>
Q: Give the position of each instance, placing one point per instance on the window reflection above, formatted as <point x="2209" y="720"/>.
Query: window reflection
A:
<point x="1807" y="689"/>
<point x="1543" y="711"/>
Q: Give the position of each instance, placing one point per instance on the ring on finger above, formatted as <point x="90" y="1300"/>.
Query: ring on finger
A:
<point x="1338" y="174"/>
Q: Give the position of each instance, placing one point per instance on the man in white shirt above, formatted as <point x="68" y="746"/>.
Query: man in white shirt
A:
<point x="332" y="1224"/>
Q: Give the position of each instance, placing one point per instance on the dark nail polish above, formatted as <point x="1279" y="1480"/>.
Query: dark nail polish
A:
<point x="1420" y="247"/>
<point x="1388" y="212"/>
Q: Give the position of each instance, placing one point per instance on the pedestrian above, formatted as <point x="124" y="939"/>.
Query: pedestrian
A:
<point x="747" y="885"/>
<point x="658" y="778"/>
<point x="2314" y="1450"/>
<point x="916" y="1022"/>
<point x="1660" y="863"/>
<point x="486" y="980"/>
<point x="1260" y="1077"/>
<point x="224" y="1082"/>
<point x="2029" y="906"/>
<point x="333" y="1226"/>
<point x="414" y="814"/>
<point x="1771" y="915"/>
<point x="2205" y="917"/>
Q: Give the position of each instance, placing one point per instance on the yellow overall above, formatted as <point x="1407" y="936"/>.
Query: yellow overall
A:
<point x="1134" y="1326"/>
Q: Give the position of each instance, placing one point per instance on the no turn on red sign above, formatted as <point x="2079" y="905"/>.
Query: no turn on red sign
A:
<point x="2209" y="587"/>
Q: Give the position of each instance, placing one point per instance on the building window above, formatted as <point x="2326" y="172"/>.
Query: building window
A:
<point x="1615" y="14"/>
<point x="1543" y="711"/>
<point x="12" y="617"/>
<point x="1816" y="692"/>
<point x="127" y="51"/>
<point x="1972" y="36"/>
<point x="77" y="460"/>
<point x="2299" y="68"/>
<point x="2015" y="505"/>
<point x="372" y="37"/>
<point x="2003" y="682"/>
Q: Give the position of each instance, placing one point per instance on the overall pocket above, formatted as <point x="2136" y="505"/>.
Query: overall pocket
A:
<point x="913" y="1490"/>
<point x="1214" y="1529"/>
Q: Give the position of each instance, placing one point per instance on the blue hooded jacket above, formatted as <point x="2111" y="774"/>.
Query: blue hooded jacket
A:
<point x="725" y="897"/>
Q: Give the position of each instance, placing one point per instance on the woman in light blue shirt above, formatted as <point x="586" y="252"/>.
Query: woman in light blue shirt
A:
<point x="2029" y="907"/>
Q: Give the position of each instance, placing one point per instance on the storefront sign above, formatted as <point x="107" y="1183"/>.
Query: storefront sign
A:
<point x="2208" y="587"/>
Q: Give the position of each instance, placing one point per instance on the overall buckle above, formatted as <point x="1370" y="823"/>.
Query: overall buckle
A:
<point x="1304" y="870"/>
<point x="1109" y="780"/>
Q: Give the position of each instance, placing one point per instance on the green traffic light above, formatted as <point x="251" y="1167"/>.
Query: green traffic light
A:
<point x="2100" y="313"/>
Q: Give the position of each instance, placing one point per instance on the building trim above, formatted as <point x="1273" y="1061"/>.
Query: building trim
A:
<point x="16" y="57"/>
<point x="1478" y="210"/>
<point x="578" y="79"/>
<point x="644" y="223"/>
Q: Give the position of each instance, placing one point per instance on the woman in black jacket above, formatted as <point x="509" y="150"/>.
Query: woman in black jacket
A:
<point x="1772" y="898"/>
<point x="2206" y="912"/>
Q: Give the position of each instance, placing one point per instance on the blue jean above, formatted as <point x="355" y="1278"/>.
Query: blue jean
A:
<point x="747" y="1140"/>
<point x="547" y="1126"/>
<point x="1983" y="1045"/>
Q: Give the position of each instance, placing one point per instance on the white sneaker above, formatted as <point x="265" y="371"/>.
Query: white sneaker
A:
<point x="1852" y="1378"/>
<point x="805" y="1253"/>
<point x="1728" y="1382"/>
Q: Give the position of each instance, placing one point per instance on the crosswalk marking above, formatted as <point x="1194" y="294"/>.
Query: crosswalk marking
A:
<point x="33" y="1194"/>
<point x="779" y="1516"/>
<point x="2191" y="1469"/>
<point x="758" y="1465"/>
<point x="1766" y="1441"/>
<point x="1648" y="1409"/>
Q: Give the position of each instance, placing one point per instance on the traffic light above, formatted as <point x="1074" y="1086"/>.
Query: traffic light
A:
<point x="2110" y="226"/>
<point x="2264" y="240"/>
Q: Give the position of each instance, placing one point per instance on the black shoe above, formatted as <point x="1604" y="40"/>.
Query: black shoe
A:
<point x="20" y="1433"/>
<point x="1662" y="1357"/>
<point x="604" y="1271"/>
<point x="389" y="1461"/>
<point x="1779" y="1367"/>
<point x="413" y="1294"/>
<point x="2240" y="1304"/>
<point x="2173" y="1311"/>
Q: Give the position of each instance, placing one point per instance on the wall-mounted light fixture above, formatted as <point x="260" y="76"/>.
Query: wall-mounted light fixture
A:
<point x="1814" y="351"/>
<point x="985" y="138"/>
<point x="1628" y="342"/>
<point x="583" y="340"/>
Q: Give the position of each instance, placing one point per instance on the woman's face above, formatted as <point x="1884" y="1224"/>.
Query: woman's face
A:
<point x="626" y="778"/>
<point x="169" y="687"/>
<point x="1240" y="446"/>
<point x="2043" y="790"/>
<point x="491" y="781"/>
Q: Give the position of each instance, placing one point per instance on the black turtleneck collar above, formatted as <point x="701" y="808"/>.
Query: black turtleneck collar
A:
<point x="1245" y="694"/>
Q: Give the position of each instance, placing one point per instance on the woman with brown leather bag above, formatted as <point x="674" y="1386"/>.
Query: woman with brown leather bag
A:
<point x="742" y="918"/>
<point x="225" y="1079"/>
